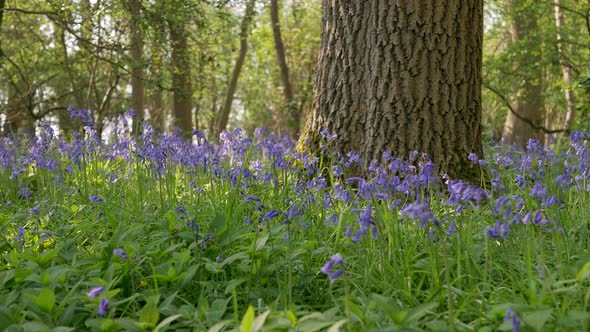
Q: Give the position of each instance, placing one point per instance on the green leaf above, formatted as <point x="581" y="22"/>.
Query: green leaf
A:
<point x="45" y="300"/>
<point x="260" y="242"/>
<point x="420" y="311"/>
<point x="218" y="224"/>
<point x="584" y="273"/>
<point x="248" y="320"/>
<point x="336" y="327"/>
<point x="537" y="319"/>
<point x="233" y="284"/>
<point x="149" y="313"/>
<point x="219" y="326"/>
<point x="259" y="321"/>
<point x="166" y="322"/>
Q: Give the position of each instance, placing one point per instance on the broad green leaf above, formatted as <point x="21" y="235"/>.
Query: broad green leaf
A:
<point x="166" y="322"/>
<point x="260" y="242"/>
<point x="584" y="272"/>
<point x="537" y="319"/>
<point x="149" y="313"/>
<point x="45" y="300"/>
<point x="218" y="224"/>
<point x="233" y="284"/>
<point x="336" y="327"/>
<point x="219" y="326"/>
<point x="259" y="321"/>
<point x="248" y="320"/>
<point x="420" y="311"/>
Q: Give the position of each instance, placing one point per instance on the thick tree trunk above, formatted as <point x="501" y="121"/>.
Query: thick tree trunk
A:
<point x="565" y="68"/>
<point x="293" y="123"/>
<point x="527" y="86"/>
<point x="181" y="84"/>
<point x="223" y="116"/>
<point x="136" y="53"/>
<point x="401" y="76"/>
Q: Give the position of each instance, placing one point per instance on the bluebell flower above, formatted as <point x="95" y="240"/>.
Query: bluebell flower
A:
<point x="328" y="268"/>
<point x="121" y="253"/>
<point x="20" y="234"/>
<point x="271" y="215"/>
<point x="94" y="292"/>
<point x="131" y="113"/>
<point x="451" y="228"/>
<point x="511" y="316"/>
<point x="95" y="199"/>
<point x="103" y="306"/>
<point x="348" y="232"/>
<point x="180" y="209"/>
<point x="219" y="258"/>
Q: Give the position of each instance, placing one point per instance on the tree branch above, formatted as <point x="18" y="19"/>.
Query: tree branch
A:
<point x="522" y="118"/>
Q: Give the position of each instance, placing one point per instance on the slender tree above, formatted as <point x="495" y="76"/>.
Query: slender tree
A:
<point x="137" y="61"/>
<point x="401" y="76"/>
<point x="181" y="75"/>
<point x="566" y="70"/>
<point x="293" y="123"/>
<point x="223" y="116"/>
<point x="527" y="88"/>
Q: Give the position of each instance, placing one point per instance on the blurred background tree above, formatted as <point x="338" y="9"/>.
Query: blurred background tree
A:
<point x="174" y="62"/>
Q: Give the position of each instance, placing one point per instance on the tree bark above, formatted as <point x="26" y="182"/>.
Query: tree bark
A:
<point x="136" y="53"/>
<point x="223" y="116"/>
<point x="293" y="123"/>
<point x="181" y="84"/>
<point x="401" y="76"/>
<point x="527" y="85"/>
<point x="568" y="80"/>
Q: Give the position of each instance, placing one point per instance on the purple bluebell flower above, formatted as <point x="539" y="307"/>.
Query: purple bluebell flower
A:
<point x="103" y="306"/>
<point x="304" y="225"/>
<point x="121" y="253"/>
<point x="451" y="229"/>
<point x="511" y="316"/>
<point x="271" y="215"/>
<point x="131" y="113"/>
<point x="180" y="209"/>
<point x="328" y="268"/>
<point x="500" y="230"/>
<point x="20" y="234"/>
<point x="348" y="232"/>
<point x="538" y="191"/>
<point x="95" y="199"/>
<point x="357" y="236"/>
<point x="94" y="292"/>
<point x="219" y="258"/>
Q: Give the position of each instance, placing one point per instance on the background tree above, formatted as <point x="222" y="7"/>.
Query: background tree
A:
<point x="223" y="116"/>
<point x="401" y="77"/>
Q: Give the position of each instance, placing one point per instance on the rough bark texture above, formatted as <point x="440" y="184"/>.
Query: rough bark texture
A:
<point x="293" y="123"/>
<point x="565" y="68"/>
<point x="181" y="84"/>
<point x="136" y="53"/>
<point x="527" y="85"/>
<point x="399" y="76"/>
<point x="223" y="116"/>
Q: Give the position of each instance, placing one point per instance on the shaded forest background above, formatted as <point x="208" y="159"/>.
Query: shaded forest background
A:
<point x="212" y="65"/>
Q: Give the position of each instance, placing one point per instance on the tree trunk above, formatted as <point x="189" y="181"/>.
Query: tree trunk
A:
<point x="293" y="123"/>
<point x="181" y="84"/>
<point x="527" y="85"/>
<point x="157" y="111"/>
<point x="223" y="116"/>
<point x="401" y="76"/>
<point x="136" y="53"/>
<point x="568" y="80"/>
